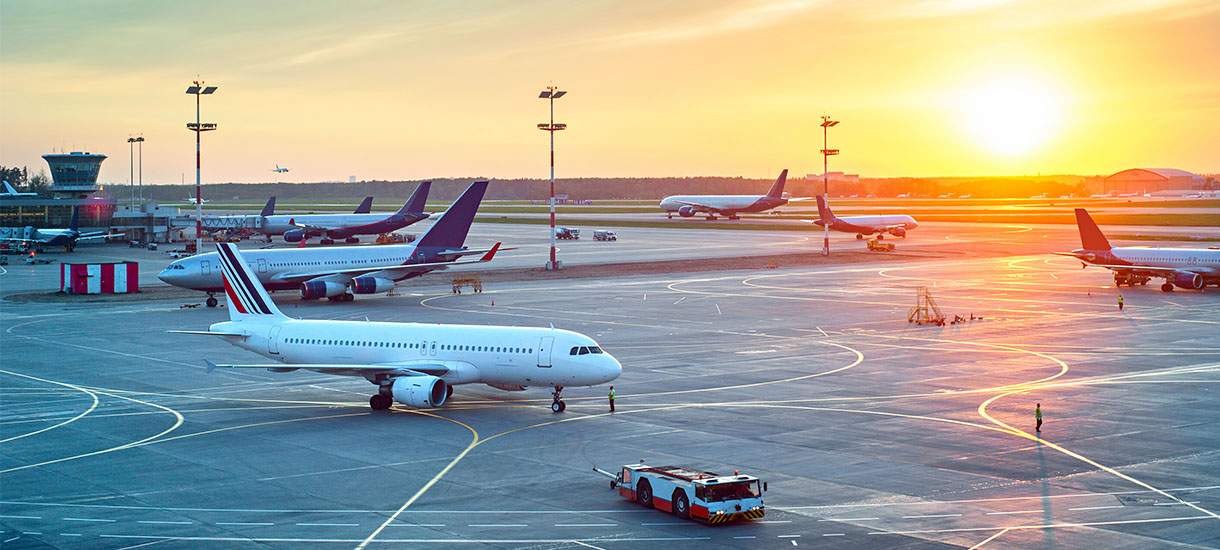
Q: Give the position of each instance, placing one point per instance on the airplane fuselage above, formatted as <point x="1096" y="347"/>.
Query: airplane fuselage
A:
<point x="366" y="224"/>
<point x="497" y="355"/>
<point x="867" y="225"/>
<point x="202" y="272"/>
<point x="1203" y="261"/>
<point x="723" y="204"/>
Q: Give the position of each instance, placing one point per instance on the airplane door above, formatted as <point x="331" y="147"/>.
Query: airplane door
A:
<point x="544" y="351"/>
<point x="262" y="265"/>
<point x="205" y="267"/>
<point x="273" y="344"/>
<point x="432" y="348"/>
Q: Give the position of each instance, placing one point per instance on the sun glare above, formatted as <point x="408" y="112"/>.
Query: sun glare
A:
<point x="1011" y="116"/>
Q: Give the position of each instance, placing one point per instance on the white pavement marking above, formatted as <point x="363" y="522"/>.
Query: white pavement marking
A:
<point x="1014" y="512"/>
<point x="155" y="522"/>
<point x="96" y="520"/>
<point x="244" y="523"/>
<point x="654" y="523"/>
<point x="774" y="521"/>
<point x="983" y="542"/>
<point x="834" y="534"/>
<point x="850" y="519"/>
<point x="1096" y="507"/>
<point x="928" y="516"/>
<point x="329" y="524"/>
<point x="21" y="517"/>
<point x="1040" y="526"/>
<point x="586" y="524"/>
<point x="497" y="525"/>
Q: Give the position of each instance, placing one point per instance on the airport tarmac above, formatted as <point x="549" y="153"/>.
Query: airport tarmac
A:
<point x="869" y="431"/>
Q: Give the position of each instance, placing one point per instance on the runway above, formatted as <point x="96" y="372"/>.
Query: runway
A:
<point x="870" y="432"/>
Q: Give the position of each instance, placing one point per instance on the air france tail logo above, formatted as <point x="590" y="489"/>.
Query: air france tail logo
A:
<point x="242" y="292"/>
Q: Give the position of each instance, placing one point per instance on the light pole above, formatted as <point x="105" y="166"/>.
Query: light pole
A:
<point x="140" y="173"/>
<point x="551" y="93"/>
<point x="131" y="171"/>
<point x="198" y="89"/>
<point x="826" y="153"/>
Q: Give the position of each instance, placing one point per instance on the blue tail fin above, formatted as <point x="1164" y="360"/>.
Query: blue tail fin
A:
<point x="365" y="207"/>
<point x="269" y="208"/>
<point x="418" y="199"/>
<point x="8" y="188"/>
<point x="824" y="210"/>
<point x="777" y="189"/>
<point x="75" y="223"/>
<point x="450" y="230"/>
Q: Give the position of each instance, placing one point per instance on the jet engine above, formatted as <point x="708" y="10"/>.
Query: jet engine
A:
<point x="898" y="231"/>
<point x="686" y="211"/>
<point x="371" y="285"/>
<point x="1186" y="279"/>
<point x="421" y="392"/>
<point x="312" y="290"/>
<point x="294" y="235"/>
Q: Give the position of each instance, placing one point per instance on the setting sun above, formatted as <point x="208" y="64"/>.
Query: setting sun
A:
<point x="1011" y="116"/>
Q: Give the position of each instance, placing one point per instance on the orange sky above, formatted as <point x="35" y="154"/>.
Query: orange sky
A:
<point x="405" y="90"/>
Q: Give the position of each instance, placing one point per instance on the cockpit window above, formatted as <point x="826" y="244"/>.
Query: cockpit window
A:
<point x="177" y="266"/>
<point x="595" y="349"/>
<point x="574" y="351"/>
<point x="584" y="350"/>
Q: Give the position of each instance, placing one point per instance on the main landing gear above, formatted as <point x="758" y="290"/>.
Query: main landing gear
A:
<point x="351" y="240"/>
<point x="345" y="297"/>
<point x="211" y="301"/>
<point x="327" y="242"/>
<point x="859" y="236"/>
<point x="1167" y="287"/>
<point x="558" y="406"/>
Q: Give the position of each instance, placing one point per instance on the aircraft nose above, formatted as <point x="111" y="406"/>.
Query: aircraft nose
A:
<point x="612" y="368"/>
<point x="168" y="276"/>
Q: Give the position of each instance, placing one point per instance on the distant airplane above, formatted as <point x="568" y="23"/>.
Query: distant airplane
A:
<point x="66" y="238"/>
<point x="1192" y="268"/>
<point x="365" y="206"/>
<point x="297" y="228"/>
<point x="415" y="364"/>
<point x="192" y="200"/>
<point x="9" y="191"/>
<point x="728" y="205"/>
<point x="894" y="224"/>
<point x="280" y="170"/>
<point x="340" y="272"/>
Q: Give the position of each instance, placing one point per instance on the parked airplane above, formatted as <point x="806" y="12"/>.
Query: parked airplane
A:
<point x="66" y="238"/>
<point x="296" y="228"/>
<point x="415" y="364"/>
<point x="280" y="170"/>
<point x="365" y="206"/>
<point x="9" y="191"/>
<point x="191" y="200"/>
<point x="894" y="224"/>
<point x="1192" y="268"/>
<point x="728" y="205"/>
<point x="340" y="272"/>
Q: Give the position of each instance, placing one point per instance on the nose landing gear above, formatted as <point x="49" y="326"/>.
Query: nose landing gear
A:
<point x="211" y="301"/>
<point x="558" y="406"/>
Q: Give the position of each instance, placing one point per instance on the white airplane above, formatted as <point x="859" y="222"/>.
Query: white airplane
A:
<point x="728" y="205"/>
<point x="1192" y="268"/>
<point x="894" y="224"/>
<point x="280" y="170"/>
<point x="191" y="200"/>
<point x="338" y="273"/>
<point x="415" y="364"/>
<point x="9" y="191"/>
<point x="300" y="227"/>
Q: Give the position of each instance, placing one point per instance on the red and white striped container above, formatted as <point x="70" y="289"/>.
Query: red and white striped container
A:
<point x="101" y="278"/>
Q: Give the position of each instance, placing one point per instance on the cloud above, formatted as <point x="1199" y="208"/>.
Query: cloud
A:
<point x="346" y="48"/>
<point x="753" y="15"/>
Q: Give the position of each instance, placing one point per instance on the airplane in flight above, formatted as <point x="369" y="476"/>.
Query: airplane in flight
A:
<point x="297" y="228"/>
<point x="280" y="170"/>
<point x="338" y="273"/>
<point x="894" y="224"/>
<point x="415" y="364"/>
<point x="1192" y="268"/>
<point x="9" y="191"/>
<point x="728" y="206"/>
<point x="67" y="238"/>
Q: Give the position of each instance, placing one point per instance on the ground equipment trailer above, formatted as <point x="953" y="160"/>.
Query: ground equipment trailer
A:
<point x="690" y="493"/>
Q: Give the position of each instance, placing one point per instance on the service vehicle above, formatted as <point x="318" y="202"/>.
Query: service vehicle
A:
<point x="690" y="493"/>
<point x="878" y="246"/>
<point x="567" y="233"/>
<point x="604" y="235"/>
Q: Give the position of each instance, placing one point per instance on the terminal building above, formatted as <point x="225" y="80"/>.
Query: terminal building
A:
<point x="73" y="185"/>
<point x="1152" y="181"/>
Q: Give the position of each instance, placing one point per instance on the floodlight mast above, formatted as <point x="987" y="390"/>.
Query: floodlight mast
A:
<point x="826" y="154"/>
<point x="197" y="89"/>
<point x="551" y="93"/>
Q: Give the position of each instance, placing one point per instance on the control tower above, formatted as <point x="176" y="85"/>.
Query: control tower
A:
<point x="75" y="173"/>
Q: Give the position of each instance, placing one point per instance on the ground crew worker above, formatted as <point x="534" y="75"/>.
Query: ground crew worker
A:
<point x="611" y="396"/>
<point x="1120" y="302"/>
<point x="1038" y="417"/>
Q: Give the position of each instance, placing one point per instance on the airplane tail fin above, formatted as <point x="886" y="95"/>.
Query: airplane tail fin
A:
<point x="365" y="207"/>
<point x="777" y="189"/>
<point x="75" y="223"/>
<point x="418" y="199"/>
<point x="450" y="230"/>
<point x="824" y="210"/>
<point x="247" y="296"/>
<point x="8" y="188"/>
<point x="1091" y="237"/>
<point x="269" y="208"/>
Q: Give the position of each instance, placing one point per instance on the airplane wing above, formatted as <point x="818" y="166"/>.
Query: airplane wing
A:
<point x="703" y="207"/>
<point x="402" y="368"/>
<point x="390" y="269"/>
<point x="209" y="333"/>
<point x="23" y="240"/>
<point x="98" y="235"/>
<point x="801" y="199"/>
